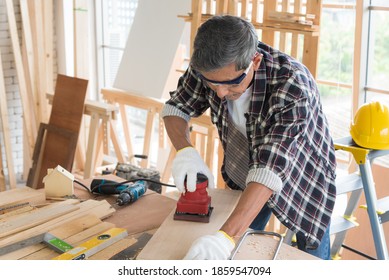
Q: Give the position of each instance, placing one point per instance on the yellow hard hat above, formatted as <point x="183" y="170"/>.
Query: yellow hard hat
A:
<point x="370" y="128"/>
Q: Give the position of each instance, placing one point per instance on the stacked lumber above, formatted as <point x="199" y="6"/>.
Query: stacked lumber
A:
<point x="24" y="213"/>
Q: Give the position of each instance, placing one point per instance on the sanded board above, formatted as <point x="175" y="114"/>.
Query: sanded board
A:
<point x="261" y="247"/>
<point x="174" y="238"/>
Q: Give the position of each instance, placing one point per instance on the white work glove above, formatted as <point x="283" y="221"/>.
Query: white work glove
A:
<point x="211" y="247"/>
<point x="188" y="162"/>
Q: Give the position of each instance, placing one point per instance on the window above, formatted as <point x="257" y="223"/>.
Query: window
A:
<point x="335" y="70"/>
<point x="116" y="17"/>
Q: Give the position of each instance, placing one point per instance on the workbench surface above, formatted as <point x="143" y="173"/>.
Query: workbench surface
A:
<point x="152" y="232"/>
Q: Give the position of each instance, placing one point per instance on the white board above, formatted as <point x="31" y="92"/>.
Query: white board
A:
<point x="148" y="59"/>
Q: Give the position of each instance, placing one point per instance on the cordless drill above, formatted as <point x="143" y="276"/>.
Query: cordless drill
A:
<point x="127" y="193"/>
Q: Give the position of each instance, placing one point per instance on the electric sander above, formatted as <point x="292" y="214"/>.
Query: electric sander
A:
<point x="195" y="206"/>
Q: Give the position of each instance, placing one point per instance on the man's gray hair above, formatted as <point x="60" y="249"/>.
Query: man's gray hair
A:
<point x="223" y="40"/>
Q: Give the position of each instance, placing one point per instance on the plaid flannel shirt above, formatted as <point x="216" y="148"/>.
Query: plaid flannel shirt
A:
<point x="290" y="147"/>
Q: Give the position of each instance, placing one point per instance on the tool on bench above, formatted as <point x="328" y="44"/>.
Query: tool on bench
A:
<point x="94" y="245"/>
<point x="259" y="232"/>
<point x="128" y="192"/>
<point x="67" y="251"/>
<point x="48" y="239"/>
<point x="129" y="171"/>
<point x="195" y="206"/>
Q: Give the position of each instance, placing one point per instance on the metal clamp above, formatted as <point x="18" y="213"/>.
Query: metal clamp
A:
<point x="261" y="232"/>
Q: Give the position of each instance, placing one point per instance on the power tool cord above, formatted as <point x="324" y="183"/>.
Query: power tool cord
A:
<point x="125" y="182"/>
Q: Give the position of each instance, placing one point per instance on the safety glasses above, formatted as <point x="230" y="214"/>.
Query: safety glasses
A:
<point x="235" y="81"/>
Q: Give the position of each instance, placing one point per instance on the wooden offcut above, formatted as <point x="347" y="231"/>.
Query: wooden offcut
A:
<point x="19" y="196"/>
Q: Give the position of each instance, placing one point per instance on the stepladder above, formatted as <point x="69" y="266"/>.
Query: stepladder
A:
<point x="356" y="184"/>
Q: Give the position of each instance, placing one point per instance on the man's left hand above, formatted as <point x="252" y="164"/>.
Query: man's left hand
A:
<point x="211" y="247"/>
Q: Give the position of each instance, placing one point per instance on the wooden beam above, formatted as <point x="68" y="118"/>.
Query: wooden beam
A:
<point x="6" y="132"/>
<point x="48" y="42"/>
<point x="28" y="62"/>
<point x="30" y="134"/>
<point x="36" y="9"/>
<point x="196" y="21"/>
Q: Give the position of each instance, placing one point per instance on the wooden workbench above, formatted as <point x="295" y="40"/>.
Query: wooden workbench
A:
<point x="145" y="214"/>
<point x="173" y="238"/>
<point x="152" y="232"/>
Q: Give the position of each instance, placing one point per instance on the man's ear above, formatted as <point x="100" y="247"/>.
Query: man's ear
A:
<point x="257" y="60"/>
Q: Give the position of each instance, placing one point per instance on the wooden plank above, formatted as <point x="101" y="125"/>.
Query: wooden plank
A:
<point x="48" y="42"/>
<point x="99" y="208"/>
<point x="174" y="238"/>
<point x="196" y="21"/>
<point x="6" y="131"/>
<point x="147" y="140"/>
<point x="20" y="223"/>
<point x="21" y="195"/>
<point x="74" y="240"/>
<point x="30" y="134"/>
<point x="116" y="141"/>
<point x="2" y="178"/>
<point x="92" y="142"/>
<point x="63" y="231"/>
<point x="18" y="210"/>
<point x="28" y="61"/>
<point x="127" y="133"/>
<point x="40" y="62"/>
<point x="243" y="12"/>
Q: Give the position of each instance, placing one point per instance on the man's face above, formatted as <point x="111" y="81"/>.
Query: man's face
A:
<point x="228" y="73"/>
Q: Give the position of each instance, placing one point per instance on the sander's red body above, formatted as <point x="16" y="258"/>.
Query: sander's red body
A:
<point x="195" y="206"/>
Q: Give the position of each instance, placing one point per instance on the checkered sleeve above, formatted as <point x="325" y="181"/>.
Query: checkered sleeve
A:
<point x="189" y="99"/>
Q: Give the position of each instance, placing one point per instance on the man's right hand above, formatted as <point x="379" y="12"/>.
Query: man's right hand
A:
<point x="188" y="163"/>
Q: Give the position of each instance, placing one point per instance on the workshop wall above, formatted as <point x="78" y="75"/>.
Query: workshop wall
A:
<point x="12" y="91"/>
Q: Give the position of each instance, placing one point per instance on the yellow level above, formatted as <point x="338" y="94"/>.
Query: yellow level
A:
<point x="94" y="245"/>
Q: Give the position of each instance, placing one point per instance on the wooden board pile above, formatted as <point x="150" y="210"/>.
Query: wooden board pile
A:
<point x="24" y="213"/>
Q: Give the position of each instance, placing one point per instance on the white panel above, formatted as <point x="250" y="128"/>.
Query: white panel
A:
<point x="151" y="48"/>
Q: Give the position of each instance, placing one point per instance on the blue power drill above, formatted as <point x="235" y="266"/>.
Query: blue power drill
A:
<point x="127" y="193"/>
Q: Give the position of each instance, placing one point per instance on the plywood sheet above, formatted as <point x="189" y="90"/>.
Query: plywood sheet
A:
<point x="133" y="73"/>
<point x="59" y="144"/>
<point x="174" y="238"/>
